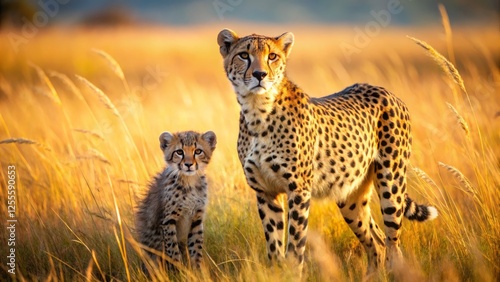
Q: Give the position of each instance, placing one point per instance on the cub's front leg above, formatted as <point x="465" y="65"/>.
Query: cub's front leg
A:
<point x="171" y="245"/>
<point x="195" y="239"/>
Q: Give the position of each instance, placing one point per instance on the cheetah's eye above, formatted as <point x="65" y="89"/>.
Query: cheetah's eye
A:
<point x="272" y="56"/>
<point x="243" y="55"/>
<point x="179" y="152"/>
<point x="198" y="152"/>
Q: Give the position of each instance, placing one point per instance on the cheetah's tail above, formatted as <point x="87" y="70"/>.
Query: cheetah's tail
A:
<point x="414" y="211"/>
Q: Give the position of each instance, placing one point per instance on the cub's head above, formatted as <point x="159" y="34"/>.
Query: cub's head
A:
<point x="188" y="152"/>
<point x="254" y="64"/>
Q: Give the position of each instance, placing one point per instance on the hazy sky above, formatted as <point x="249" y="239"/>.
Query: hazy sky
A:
<point x="420" y="12"/>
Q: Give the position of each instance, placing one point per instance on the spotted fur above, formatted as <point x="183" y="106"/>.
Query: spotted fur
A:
<point x="170" y="217"/>
<point x="337" y="146"/>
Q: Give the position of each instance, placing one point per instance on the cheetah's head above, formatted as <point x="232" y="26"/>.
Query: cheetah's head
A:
<point x="254" y="64"/>
<point x="188" y="152"/>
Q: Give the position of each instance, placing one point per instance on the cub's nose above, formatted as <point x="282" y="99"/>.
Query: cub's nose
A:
<point x="259" y="75"/>
<point x="188" y="165"/>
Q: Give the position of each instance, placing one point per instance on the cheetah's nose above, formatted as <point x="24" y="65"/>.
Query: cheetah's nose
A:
<point x="188" y="165"/>
<point x="259" y="75"/>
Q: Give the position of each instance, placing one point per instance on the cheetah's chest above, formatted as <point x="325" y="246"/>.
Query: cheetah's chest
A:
<point x="265" y="166"/>
<point x="190" y="201"/>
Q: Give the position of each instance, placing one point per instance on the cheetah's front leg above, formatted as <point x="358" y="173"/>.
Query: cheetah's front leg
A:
<point x="171" y="245"/>
<point x="195" y="239"/>
<point x="298" y="214"/>
<point x="271" y="214"/>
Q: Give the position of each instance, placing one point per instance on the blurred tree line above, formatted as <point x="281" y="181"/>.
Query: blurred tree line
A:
<point x="195" y="11"/>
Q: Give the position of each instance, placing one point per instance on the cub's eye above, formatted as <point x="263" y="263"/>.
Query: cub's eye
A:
<point x="198" y="151"/>
<point x="243" y="55"/>
<point x="179" y="152"/>
<point x="272" y="56"/>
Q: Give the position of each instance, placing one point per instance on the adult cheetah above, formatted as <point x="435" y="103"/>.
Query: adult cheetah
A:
<point x="338" y="146"/>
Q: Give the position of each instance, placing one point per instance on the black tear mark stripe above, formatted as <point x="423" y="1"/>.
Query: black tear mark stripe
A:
<point x="268" y="62"/>
<point x="232" y="60"/>
<point x="172" y="156"/>
<point x="248" y="67"/>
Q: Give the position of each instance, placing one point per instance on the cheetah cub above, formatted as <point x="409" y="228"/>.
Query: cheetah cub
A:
<point x="170" y="217"/>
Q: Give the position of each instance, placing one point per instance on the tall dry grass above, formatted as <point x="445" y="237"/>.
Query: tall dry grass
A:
<point x="81" y="126"/>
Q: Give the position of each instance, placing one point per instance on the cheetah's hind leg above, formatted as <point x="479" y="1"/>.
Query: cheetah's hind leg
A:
<point x="356" y="212"/>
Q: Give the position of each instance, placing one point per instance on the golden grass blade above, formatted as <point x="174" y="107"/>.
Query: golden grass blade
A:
<point x="25" y="142"/>
<point x="420" y="173"/>
<point x="79" y="241"/>
<point x="52" y="91"/>
<point x="460" y="120"/>
<point x="102" y="96"/>
<point x="98" y="266"/>
<point x="115" y="67"/>
<point x="88" y="272"/>
<point x="89" y="132"/>
<point x="18" y="141"/>
<point x="94" y="154"/>
<point x="5" y="87"/>
<point x="65" y="79"/>
<point x="120" y="240"/>
<point x="69" y="266"/>
<point x="4" y="126"/>
<point x="445" y="20"/>
<point x="446" y="65"/>
<point x="329" y="263"/>
<point x="108" y="104"/>
<point x="461" y="178"/>
<point x="112" y="63"/>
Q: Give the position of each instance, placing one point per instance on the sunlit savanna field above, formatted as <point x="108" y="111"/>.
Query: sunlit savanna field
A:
<point x="81" y="111"/>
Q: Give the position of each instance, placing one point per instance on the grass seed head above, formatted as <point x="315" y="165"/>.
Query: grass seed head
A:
<point x="102" y="96"/>
<point x="446" y="65"/>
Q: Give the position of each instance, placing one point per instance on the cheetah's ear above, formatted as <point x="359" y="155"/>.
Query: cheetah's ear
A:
<point x="211" y="139"/>
<point x="226" y="39"/>
<point x="165" y="139"/>
<point x="286" y="42"/>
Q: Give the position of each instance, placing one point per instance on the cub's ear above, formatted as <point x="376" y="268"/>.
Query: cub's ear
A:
<point x="211" y="139"/>
<point x="286" y="42"/>
<point x="165" y="139"/>
<point x="226" y="39"/>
